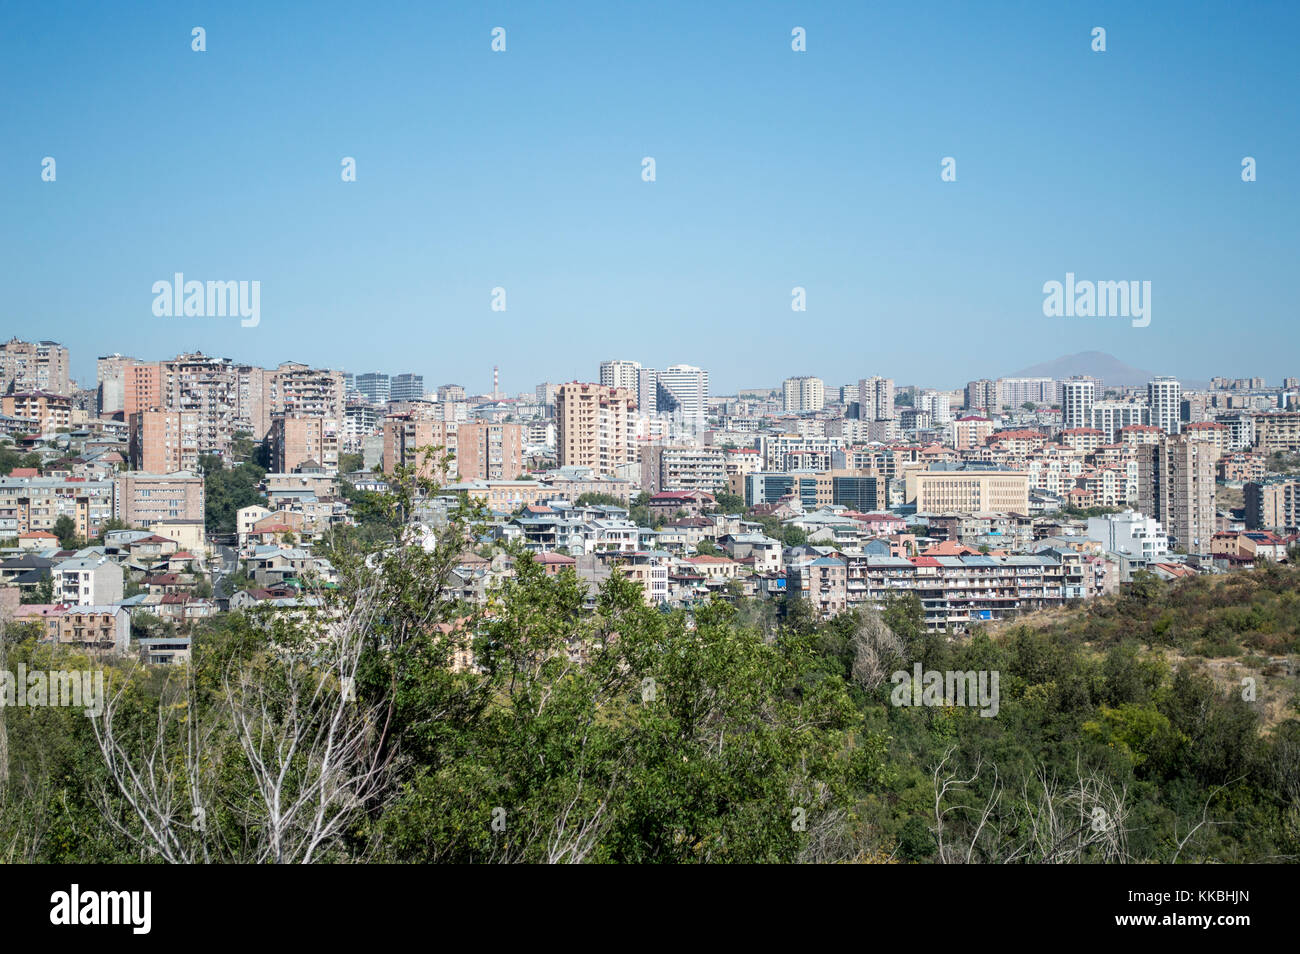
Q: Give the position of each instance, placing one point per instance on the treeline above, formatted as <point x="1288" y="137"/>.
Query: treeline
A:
<point x="621" y="733"/>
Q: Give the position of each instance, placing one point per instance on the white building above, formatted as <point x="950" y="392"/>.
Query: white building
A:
<point x="1165" y="398"/>
<point x="1132" y="535"/>
<point x="87" y="581"/>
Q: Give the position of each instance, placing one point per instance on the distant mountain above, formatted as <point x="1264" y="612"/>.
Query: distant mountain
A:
<point x="1098" y="364"/>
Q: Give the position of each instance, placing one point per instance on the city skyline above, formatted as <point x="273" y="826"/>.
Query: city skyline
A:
<point x="775" y="170"/>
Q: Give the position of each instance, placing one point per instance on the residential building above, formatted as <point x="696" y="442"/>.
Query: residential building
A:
<point x="1176" y="487"/>
<point x="803" y="395"/>
<point x="144" y="499"/>
<point x="34" y="366"/>
<point x="87" y="581"/>
<point x="1164" y="398"/>
<point x="593" y="426"/>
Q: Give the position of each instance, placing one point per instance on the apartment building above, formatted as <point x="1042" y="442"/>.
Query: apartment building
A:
<point x="163" y="442"/>
<point x="487" y="450"/>
<point x="34" y="366"/>
<point x="1138" y="538"/>
<point x="803" y="395"/>
<point x="970" y="432"/>
<point x="144" y="499"/>
<point x="671" y="467"/>
<point x="111" y="376"/>
<point x="593" y="426"/>
<point x="479" y="450"/>
<point x="983" y="396"/>
<point x="1176" y="487"/>
<point x="876" y="399"/>
<point x="821" y="582"/>
<point x="44" y="410"/>
<point x="1164" y="399"/>
<point x="621" y="374"/>
<point x="1273" y="504"/>
<point x="142" y="388"/>
<point x="1111" y="417"/>
<point x="105" y="628"/>
<point x="1277" y="432"/>
<point x="956" y="592"/>
<point x="1014" y="393"/>
<point x="297" y="440"/>
<point x="1077" y="400"/>
<point x="87" y="581"/>
<point x="297" y="390"/>
<point x="30" y="504"/>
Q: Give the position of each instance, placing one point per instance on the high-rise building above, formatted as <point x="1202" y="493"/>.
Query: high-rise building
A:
<point x="1077" y="399"/>
<point x="593" y="426"/>
<point x="34" y="366"/>
<point x="1111" y="417"/>
<point x="297" y="440"/>
<point x="876" y="399"/>
<point x="621" y="374"/>
<point x="802" y="395"/>
<point x="683" y="392"/>
<point x="164" y="442"/>
<point x="374" y="387"/>
<point x="1176" y="487"/>
<point x="111" y="374"/>
<point x="937" y="404"/>
<point x="982" y="395"/>
<point x="1014" y="393"/>
<point x="487" y="450"/>
<point x="1164" y="398"/>
<point x="406" y="387"/>
<point x="450" y="393"/>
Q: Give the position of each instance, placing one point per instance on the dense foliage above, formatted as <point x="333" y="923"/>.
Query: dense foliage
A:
<point x="622" y="733"/>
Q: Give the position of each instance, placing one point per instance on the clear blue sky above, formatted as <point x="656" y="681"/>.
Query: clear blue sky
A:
<point x="775" y="169"/>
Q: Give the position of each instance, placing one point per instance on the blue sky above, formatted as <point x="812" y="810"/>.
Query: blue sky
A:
<point x="774" y="169"/>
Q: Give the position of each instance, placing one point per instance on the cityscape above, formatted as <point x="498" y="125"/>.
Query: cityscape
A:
<point x="697" y="434"/>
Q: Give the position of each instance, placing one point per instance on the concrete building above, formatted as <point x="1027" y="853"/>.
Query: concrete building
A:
<point x="682" y="393"/>
<point x="1111" y="417"/>
<point x="803" y="395"/>
<point x="1278" y="432"/>
<point x="87" y="581"/>
<point x="487" y="450"/>
<point x="144" y="499"/>
<point x="876" y="399"/>
<point x="982" y="395"/>
<point x="298" y="440"/>
<point x="969" y="433"/>
<point x="1013" y="393"/>
<point x="1077" y="399"/>
<point x="162" y="442"/>
<point x="1138" y="538"/>
<point x="1164" y="398"/>
<point x="34" y="366"/>
<point x="35" y="504"/>
<point x="111" y="375"/>
<point x="621" y="374"/>
<point x="45" y="410"/>
<point x="671" y="467"/>
<point x="593" y="427"/>
<point x="1273" y="504"/>
<point x="1176" y="487"/>
<point x="968" y="491"/>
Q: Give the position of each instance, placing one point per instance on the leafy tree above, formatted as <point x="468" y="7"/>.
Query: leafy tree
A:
<point x="66" y="530"/>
